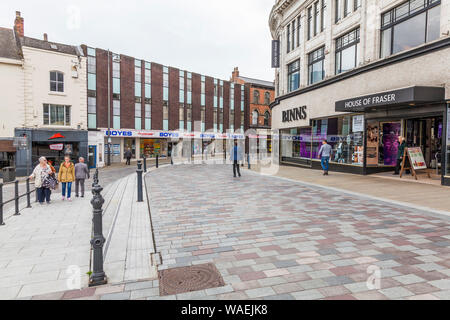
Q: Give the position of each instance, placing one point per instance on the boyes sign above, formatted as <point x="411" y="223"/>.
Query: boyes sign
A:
<point x="295" y="114"/>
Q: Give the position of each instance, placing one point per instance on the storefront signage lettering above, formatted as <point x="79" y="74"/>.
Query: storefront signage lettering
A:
<point x="119" y="133"/>
<point x="370" y="101"/>
<point x="57" y="147"/>
<point x="168" y="135"/>
<point x="295" y="114"/>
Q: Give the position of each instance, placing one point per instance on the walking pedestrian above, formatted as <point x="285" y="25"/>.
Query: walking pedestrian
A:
<point x="81" y="174"/>
<point x="128" y="155"/>
<point x="236" y="156"/>
<point x="400" y="153"/>
<point x="40" y="173"/>
<point x="324" y="155"/>
<point x="66" y="176"/>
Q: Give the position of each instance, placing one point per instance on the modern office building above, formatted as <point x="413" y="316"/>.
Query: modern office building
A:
<point x="261" y="95"/>
<point x="360" y="73"/>
<point x="43" y="98"/>
<point x="151" y="108"/>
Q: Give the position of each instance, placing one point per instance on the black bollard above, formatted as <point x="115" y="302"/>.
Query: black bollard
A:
<point x="171" y="160"/>
<point x="157" y="158"/>
<point x="28" y="194"/>
<point x="98" y="276"/>
<point x="139" y="181"/>
<point x="248" y="160"/>
<point x="16" y="197"/>
<point x="1" y="205"/>
<point x="145" y="163"/>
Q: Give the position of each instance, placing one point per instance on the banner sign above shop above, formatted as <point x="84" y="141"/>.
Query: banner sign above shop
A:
<point x="154" y="134"/>
<point x="411" y="95"/>
<point x="57" y="146"/>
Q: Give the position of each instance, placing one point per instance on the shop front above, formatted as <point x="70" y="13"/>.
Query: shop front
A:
<point x="52" y="144"/>
<point x="7" y="154"/>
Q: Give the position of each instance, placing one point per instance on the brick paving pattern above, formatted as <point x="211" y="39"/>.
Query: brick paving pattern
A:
<point x="271" y="238"/>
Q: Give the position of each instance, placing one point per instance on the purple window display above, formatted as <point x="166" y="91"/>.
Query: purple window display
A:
<point x="391" y="132"/>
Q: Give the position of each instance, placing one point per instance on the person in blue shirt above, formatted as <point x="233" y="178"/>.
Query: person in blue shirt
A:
<point x="235" y="157"/>
<point x="324" y="155"/>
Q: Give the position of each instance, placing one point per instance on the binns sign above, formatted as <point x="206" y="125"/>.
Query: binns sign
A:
<point x="295" y="114"/>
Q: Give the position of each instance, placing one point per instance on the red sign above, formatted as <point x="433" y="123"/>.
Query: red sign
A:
<point x="58" y="146"/>
<point x="56" y="136"/>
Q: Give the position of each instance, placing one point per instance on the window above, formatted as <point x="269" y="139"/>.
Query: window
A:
<point x="294" y="75"/>
<point x="256" y="97"/>
<point x="165" y="116"/>
<point x="215" y="119"/>
<point x="409" y="25"/>
<point x="316" y="18"/>
<point x="316" y="65"/>
<point x="298" y="31"/>
<point x="310" y="23"/>
<point x="138" y="116"/>
<point x="181" y="117"/>
<point x="92" y="110"/>
<point x="116" y="70"/>
<point x="266" y="118"/>
<point x="148" y="116"/>
<point x="232" y="96"/>
<point x="293" y="34"/>
<point x="216" y="92"/>
<point x="189" y="88"/>
<point x="148" y="73"/>
<point x="181" y="87"/>
<point x="56" y="115"/>
<point x="357" y="4"/>
<point x="267" y="98"/>
<point x="165" y="84"/>
<point x="221" y="94"/>
<point x="202" y="95"/>
<point x="347" y="7"/>
<point x="56" y="81"/>
<point x="347" y="51"/>
<point x="92" y="64"/>
<point x="288" y="38"/>
<point x="189" y="117"/>
<point x="323" y="16"/>
<point x="202" y="118"/>
<point x="137" y="71"/>
<point x="337" y="10"/>
<point x="242" y="97"/>
<point x="255" y="116"/>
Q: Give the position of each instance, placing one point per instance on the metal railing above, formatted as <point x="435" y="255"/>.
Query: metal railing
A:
<point x="16" y="199"/>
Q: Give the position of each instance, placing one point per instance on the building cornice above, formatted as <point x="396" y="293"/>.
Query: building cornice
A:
<point x="423" y="50"/>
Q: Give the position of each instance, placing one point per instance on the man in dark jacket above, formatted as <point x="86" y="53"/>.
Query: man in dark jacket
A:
<point x="128" y="156"/>
<point x="400" y="153"/>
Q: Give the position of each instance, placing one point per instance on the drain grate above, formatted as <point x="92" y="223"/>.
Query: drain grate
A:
<point x="187" y="279"/>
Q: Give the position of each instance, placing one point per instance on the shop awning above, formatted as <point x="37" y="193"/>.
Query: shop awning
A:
<point x="411" y="95"/>
<point x="7" y="146"/>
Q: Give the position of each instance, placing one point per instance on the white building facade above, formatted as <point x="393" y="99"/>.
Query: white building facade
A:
<point x="359" y="74"/>
<point x="47" y="104"/>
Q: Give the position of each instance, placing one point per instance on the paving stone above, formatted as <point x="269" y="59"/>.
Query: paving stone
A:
<point x="307" y="295"/>
<point x="260" y="292"/>
<point x="396" y="292"/>
<point x="117" y="296"/>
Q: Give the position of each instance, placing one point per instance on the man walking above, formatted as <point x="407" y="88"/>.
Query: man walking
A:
<point x="81" y="174"/>
<point x="324" y="155"/>
<point x="236" y="156"/>
<point x="128" y="155"/>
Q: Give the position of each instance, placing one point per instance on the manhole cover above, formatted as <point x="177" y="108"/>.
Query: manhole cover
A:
<point x="187" y="279"/>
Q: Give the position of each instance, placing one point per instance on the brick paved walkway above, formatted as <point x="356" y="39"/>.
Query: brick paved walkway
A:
<point x="277" y="239"/>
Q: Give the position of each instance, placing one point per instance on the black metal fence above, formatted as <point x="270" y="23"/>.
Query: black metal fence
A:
<point x="15" y="199"/>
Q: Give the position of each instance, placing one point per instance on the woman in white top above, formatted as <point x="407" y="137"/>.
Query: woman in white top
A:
<point x="41" y="172"/>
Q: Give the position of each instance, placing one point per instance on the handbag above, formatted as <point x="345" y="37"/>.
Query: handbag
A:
<point x="50" y="182"/>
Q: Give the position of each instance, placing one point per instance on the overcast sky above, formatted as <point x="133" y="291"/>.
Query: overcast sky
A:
<point x="209" y="37"/>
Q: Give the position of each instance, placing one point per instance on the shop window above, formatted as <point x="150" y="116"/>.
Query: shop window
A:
<point x="347" y="51"/>
<point x="447" y="153"/>
<point x="57" y="81"/>
<point x="294" y="75"/>
<point x="165" y="116"/>
<point x="409" y="25"/>
<point x="316" y="68"/>
<point x="56" y="115"/>
<point x="296" y="143"/>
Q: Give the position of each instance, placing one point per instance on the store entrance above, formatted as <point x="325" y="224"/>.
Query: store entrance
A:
<point x="426" y="133"/>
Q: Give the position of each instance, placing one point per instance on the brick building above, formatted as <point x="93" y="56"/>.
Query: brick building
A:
<point x="260" y="95"/>
<point x="155" y="107"/>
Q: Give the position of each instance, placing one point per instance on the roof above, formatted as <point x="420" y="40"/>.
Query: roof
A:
<point x="9" y="47"/>
<point x="51" y="46"/>
<point x="257" y="82"/>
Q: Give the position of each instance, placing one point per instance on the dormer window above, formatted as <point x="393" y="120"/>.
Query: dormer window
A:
<point x="56" y="81"/>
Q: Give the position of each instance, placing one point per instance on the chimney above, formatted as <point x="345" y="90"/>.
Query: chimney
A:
<point x="18" y="25"/>
<point x="235" y="73"/>
<point x="45" y="37"/>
